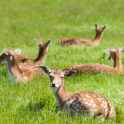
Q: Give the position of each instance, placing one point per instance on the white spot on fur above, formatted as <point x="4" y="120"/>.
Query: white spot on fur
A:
<point x="87" y="95"/>
<point x="104" y="104"/>
<point x="89" y="104"/>
<point x="86" y="102"/>
<point x="91" y="100"/>
<point x="94" y="105"/>
<point x="25" y="78"/>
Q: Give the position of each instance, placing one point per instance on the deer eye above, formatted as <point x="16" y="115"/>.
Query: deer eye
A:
<point x="61" y="77"/>
<point x="51" y="77"/>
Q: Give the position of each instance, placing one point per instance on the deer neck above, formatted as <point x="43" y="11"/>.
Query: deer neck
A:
<point x="117" y="61"/>
<point x="61" y="94"/>
<point x="97" y="38"/>
<point x="41" y="57"/>
<point x="13" y="70"/>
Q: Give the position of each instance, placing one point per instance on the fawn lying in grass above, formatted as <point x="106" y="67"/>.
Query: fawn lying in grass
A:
<point x="10" y="58"/>
<point x="81" y="41"/>
<point x="82" y="102"/>
<point x="115" y="55"/>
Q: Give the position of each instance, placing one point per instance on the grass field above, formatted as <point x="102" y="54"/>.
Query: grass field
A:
<point x="21" y="21"/>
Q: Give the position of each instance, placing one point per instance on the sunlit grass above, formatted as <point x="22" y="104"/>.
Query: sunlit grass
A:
<point x="22" y="21"/>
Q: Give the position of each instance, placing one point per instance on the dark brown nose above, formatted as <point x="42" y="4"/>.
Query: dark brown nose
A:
<point x="52" y="85"/>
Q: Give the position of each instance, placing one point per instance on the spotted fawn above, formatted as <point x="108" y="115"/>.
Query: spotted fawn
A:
<point x="80" y="41"/>
<point x="82" y="102"/>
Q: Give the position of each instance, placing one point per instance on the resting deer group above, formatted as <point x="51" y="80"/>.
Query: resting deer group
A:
<point x="115" y="55"/>
<point x="82" y="102"/>
<point x="22" y="69"/>
<point x="10" y="59"/>
<point x="81" y="41"/>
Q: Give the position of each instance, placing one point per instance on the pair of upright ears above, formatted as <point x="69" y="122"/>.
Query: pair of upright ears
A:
<point x="68" y="73"/>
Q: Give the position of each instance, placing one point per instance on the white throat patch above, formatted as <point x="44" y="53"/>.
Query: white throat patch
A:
<point x="55" y="89"/>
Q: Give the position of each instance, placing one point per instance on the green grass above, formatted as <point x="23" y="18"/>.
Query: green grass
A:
<point x="22" y="21"/>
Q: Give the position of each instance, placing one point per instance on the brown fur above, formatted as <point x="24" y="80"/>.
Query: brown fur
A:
<point x="115" y="55"/>
<point x="41" y="57"/>
<point x="10" y="58"/>
<point x="82" y="102"/>
<point x="25" y="62"/>
<point x="81" y="41"/>
<point x="43" y="50"/>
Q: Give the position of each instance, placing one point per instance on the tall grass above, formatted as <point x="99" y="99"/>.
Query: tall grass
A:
<point x="22" y="21"/>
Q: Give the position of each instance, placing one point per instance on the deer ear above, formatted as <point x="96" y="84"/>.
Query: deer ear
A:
<point x="18" y="51"/>
<point x="96" y="25"/>
<point x="122" y="49"/>
<point x="69" y="72"/>
<point x="108" y="51"/>
<point x="103" y="27"/>
<point x="37" y="41"/>
<point x="110" y="58"/>
<point x="6" y="52"/>
<point x="45" y="69"/>
<point x="48" y="42"/>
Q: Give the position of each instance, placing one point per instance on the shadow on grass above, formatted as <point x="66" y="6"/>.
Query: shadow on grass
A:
<point x="118" y="120"/>
<point x="31" y="108"/>
<point x="119" y="116"/>
<point x="35" y="107"/>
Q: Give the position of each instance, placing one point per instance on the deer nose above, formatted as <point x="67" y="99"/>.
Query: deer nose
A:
<point x="52" y="85"/>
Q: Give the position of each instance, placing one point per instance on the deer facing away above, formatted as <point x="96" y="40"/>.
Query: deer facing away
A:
<point x="10" y="58"/>
<point x="25" y="62"/>
<point x="115" y="55"/>
<point x="80" y="41"/>
<point x="41" y="57"/>
<point x="82" y="102"/>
